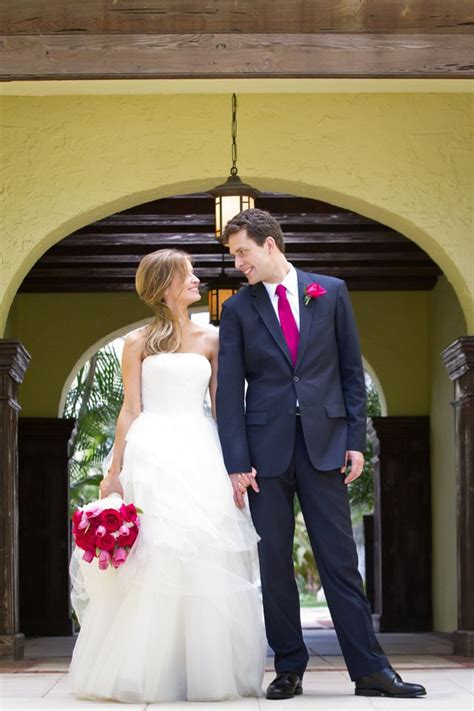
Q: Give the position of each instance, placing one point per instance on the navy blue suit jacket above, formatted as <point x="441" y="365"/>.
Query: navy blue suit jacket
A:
<point x="258" y="429"/>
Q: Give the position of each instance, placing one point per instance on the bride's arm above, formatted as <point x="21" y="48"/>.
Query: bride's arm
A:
<point x="131" y="408"/>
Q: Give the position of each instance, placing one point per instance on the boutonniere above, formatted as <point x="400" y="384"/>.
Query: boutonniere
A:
<point x="312" y="291"/>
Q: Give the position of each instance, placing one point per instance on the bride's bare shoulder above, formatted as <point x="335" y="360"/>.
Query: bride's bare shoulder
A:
<point x="135" y="340"/>
<point x="203" y="338"/>
<point x="210" y="336"/>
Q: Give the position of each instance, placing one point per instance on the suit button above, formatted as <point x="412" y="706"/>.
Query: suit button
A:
<point x="296" y="379"/>
<point x="291" y="411"/>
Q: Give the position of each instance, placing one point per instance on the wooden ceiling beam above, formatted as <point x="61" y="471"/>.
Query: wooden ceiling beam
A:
<point x="104" y="259"/>
<point x="190" y="218"/>
<point x="137" y="239"/>
<point x="373" y="283"/>
<point x="187" y="16"/>
<point x="224" y="55"/>
<point x="105" y="273"/>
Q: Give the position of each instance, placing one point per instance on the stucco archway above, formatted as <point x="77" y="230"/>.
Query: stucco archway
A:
<point x="345" y="200"/>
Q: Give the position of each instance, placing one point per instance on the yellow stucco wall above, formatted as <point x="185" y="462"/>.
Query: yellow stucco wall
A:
<point x="393" y="328"/>
<point x="57" y="331"/>
<point x="400" y="158"/>
<point x="446" y="323"/>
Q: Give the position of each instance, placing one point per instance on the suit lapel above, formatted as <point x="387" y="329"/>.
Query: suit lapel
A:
<point x="306" y="314"/>
<point x="263" y="305"/>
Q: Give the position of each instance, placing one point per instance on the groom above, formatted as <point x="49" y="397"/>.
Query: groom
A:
<point x="293" y="338"/>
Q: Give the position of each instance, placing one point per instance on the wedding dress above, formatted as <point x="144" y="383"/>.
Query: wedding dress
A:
<point x="181" y="619"/>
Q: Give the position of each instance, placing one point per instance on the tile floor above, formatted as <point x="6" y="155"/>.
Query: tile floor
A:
<point x="40" y="681"/>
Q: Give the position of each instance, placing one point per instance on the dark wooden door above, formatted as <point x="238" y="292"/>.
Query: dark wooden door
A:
<point x="44" y="526"/>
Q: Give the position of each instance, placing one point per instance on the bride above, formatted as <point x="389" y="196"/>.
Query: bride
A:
<point x="182" y="618"/>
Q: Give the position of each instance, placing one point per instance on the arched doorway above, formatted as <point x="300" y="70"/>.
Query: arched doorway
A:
<point x="92" y="396"/>
<point x="328" y="216"/>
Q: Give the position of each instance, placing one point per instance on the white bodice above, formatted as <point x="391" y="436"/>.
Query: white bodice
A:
<point x="175" y="384"/>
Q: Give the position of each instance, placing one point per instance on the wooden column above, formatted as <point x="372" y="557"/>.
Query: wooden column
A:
<point x="44" y="526"/>
<point x="459" y="361"/>
<point x="14" y="360"/>
<point x="403" y="524"/>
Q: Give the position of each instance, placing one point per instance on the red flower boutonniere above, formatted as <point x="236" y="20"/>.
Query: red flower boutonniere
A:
<point x="312" y="291"/>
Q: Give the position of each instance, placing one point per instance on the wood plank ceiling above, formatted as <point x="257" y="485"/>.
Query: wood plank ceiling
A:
<point x="320" y="238"/>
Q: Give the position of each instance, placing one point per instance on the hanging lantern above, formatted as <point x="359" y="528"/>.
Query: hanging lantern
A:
<point x="219" y="290"/>
<point x="233" y="196"/>
<point x="217" y="296"/>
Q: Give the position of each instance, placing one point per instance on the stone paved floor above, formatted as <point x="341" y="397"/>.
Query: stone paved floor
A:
<point x="40" y="681"/>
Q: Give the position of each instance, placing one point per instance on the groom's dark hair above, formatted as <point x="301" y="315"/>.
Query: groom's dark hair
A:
<point x="259" y="225"/>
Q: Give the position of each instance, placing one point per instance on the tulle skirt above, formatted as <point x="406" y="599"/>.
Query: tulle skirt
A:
<point x="182" y="618"/>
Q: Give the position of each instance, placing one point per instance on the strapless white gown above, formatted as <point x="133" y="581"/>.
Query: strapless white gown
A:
<point x="182" y="618"/>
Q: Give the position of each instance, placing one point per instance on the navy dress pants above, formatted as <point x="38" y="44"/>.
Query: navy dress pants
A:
<point x="325" y="505"/>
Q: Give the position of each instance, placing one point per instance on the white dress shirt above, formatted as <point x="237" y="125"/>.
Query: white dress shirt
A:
<point x="291" y="283"/>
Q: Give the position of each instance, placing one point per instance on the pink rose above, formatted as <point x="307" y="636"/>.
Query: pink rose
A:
<point x="111" y="519"/>
<point x="129" y="538"/>
<point x="100" y="531"/>
<point x="76" y="519"/>
<point x="129" y="512"/>
<point x="312" y="291"/>
<point x="106" y="542"/>
<point x="86" y="541"/>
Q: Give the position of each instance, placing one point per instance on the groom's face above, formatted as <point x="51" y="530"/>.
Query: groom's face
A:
<point x="255" y="262"/>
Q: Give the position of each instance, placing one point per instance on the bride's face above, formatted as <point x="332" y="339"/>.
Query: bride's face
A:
<point x="184" y="293"/>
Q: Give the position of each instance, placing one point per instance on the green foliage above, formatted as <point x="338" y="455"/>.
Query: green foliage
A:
<point x="307" y="576"/>
<point x="361" y="491"/>
<point x="94" y="401"/>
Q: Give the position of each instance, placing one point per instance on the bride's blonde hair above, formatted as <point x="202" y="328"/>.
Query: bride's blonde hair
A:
<point x="154" y="276"/>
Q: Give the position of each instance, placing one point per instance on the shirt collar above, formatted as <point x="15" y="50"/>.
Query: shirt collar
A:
<point x="290" y="282"/>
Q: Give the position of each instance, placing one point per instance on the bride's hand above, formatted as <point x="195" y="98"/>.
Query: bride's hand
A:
<point x="110" y="484"/>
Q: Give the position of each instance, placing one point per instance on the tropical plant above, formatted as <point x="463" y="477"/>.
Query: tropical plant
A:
<point x="361" y="491"/>
<point x="306" y="572"/>
<point x="94" y="401"/>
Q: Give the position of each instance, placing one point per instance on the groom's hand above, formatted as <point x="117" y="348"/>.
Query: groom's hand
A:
<point x="240" y="484"/>
<point x="357" y="464"/>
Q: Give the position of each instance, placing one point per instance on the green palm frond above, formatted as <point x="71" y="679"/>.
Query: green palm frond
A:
<point x="361" y="491"/>
<point x="94" y="401"/>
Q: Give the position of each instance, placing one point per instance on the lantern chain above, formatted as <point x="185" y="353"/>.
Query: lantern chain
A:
<point x="233" y="170"/>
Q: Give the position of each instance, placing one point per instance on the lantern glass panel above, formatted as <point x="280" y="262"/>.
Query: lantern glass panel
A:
<point x="218" y="217"/>
<point x="216" y="299"/>
<point x="231" y="205"/>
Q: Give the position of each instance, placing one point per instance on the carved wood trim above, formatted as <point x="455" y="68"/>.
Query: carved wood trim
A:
<point x="458" y="358"/>
<point x="14" y="360"/>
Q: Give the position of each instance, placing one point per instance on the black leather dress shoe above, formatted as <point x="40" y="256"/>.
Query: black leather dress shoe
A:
<point x="387" y="683"/>
<point x="284" y="686"/>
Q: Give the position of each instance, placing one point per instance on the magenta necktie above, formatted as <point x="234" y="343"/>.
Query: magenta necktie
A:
<point x="287" y="322"/>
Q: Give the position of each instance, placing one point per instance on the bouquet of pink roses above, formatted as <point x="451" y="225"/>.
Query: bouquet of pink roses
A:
<point x="106" y="532"/>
